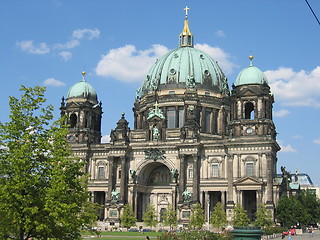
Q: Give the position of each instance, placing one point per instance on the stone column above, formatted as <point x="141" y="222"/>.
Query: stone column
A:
<point x="269" y="179"/>
<point x="230" y="179"/>
<point x="110" y="178"/>
<point x="206" y="200"/>
<point x="223" y="199"/>
<point x="123" y="187"/>
<point x="196" y="177"/>
<point x="182" y="176"/>
<point x="239" y="110"/>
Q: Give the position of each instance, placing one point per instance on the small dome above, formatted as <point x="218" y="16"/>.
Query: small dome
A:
<point x="251" y="75"/>
<point x="82" y="89"/>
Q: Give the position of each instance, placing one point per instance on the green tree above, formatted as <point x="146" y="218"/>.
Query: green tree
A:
<point x="197" y="218"/>
<point x="42" y="187"/>
<point x="150" y="217"/>
<point x="290" y="212"/>
<point x="240" y="217"/>
<point x="218" y="217"/>
<point x="127" y="218"/>
<point x="170" y="217"/>
<point x="263" y="217"/>
<point x="311" y="203"/>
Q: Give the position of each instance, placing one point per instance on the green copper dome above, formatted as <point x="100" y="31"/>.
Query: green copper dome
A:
<point x="251" y="75"/>
<point x="185" y="67"/>
<point x="82" y="89"/>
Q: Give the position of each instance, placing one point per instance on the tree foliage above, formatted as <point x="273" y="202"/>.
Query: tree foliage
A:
<point x="300" y="209"/>
<point x="150" y="217"/>
<point x="170" y="217"/>
<point x="42" y="188"/>
<point x="127" y="218"/>
<point x="197" y="218"/>
<point x="312" y="204"/>
<point x="263" y="217"/>
<point x="218" y="217"/>
<point x="240" y="217"/>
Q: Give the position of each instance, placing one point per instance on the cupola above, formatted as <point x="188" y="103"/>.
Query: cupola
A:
<point x="251" y="75"/>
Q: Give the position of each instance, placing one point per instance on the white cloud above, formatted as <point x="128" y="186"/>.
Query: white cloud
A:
<point x="105" y="139"/>
<point x="220" y="33"/>
<point x="77" y="35"/>
<point x="86" y="33"/>
<point x="129" y="64"/>
<point x="317" y="141"/>
<point x="295" y="88"/>
<point x="287" y="148"/>
<point x="218" y="55"/>
<point x="29" y="47"/>
<point x="53" y="82"/>
<point x="65" y="55"/>
<point x="70" y="44"/>
<point x="297" y="137"/>
<point x="281" y="113"/>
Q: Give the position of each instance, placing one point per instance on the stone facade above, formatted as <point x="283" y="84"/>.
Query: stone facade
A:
<point x="193" y="141"/>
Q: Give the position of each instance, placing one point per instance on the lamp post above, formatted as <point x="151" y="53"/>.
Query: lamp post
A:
<point x="208" y="210"/>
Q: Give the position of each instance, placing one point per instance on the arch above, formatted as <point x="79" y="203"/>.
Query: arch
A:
<point x="73" y="120"/>
<point x="249" y="110"/>
<point x="154" y="173"/>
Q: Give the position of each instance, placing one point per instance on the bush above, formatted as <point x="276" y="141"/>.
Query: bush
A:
<point x="272" y="230"/>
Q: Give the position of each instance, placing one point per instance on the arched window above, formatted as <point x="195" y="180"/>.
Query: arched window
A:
<point x="181" y="117"/>
<point x="101" y="172"/>
<point x="249" y="169"/>
<point x="160" y="176"/>
<point x="171" y="116"/>
<point x="73" y="120"/>
<point x="249" y="110"/>
<point x="207" y="120"/>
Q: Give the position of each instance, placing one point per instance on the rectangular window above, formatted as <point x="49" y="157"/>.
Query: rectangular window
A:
<point x="215" y="170"/>
<point x="119" y="174"/>
<point x="185" y="214"/>
<point x="171" y="116"/>
<point x="190" y="173"/>
<point x="101" y="173"/>
<point x="249" y="169"/>
<point x="181" y="117"/>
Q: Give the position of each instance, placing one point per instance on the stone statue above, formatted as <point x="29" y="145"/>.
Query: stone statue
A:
<point x="286" y="177"/>
<point x="155" y="133"/>
<point x="138" y="93"/>
<point x="191" y="83"/>
<point x="133" y="174"/>
<point x="114" y="196"/>
<point x="174" y="174"/>
<point x="186" y="195"/>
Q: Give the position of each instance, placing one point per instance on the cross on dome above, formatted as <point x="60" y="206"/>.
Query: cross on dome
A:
<point x="186" y="9"/>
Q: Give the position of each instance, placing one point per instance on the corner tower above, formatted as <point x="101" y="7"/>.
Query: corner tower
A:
<point x="83" y="113"/>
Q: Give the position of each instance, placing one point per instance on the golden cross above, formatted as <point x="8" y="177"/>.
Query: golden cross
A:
<point x="186" y="9"/>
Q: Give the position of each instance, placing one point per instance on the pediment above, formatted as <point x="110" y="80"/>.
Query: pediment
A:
<point x="155" y="118"/>
<point x="247" y="181"/>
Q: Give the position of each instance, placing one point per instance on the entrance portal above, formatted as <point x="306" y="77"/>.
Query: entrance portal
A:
<point x="250" y="203"/>
<point x="153" y="187"/>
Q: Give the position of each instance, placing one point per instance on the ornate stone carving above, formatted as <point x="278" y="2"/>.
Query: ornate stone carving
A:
<point x="154" y="154"/>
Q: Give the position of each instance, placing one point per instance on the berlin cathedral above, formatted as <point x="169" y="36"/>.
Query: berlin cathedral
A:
<point x="194" y="139"/>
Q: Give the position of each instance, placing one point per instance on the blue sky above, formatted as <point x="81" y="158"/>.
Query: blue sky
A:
<point x="50" y="42"/>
